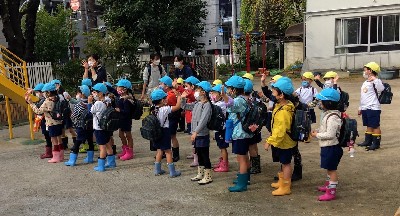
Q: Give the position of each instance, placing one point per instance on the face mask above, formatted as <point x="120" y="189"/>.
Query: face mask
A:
<point x="78" y="97"/>
<point x="90" y="63"/>
<point x="328" y="84"/>
<point x="177" y="64"/>
<point x="38" y="95"/>
<point x="197" y="96"/>
<point x="120" y="92"/>
<point x="365" y="75"/>
<point x="305" y="84"/>
<point x="156" y="62"/>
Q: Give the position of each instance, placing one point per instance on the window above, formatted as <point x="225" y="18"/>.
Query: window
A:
<point x="367" y="34"/>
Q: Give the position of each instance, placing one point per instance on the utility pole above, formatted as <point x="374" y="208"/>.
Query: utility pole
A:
<point x="234" y="28"/>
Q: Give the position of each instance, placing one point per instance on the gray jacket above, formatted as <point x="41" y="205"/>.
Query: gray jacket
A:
<point x="201" y="115"/>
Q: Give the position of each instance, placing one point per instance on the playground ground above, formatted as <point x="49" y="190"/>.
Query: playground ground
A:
<point x="369" y="182"/>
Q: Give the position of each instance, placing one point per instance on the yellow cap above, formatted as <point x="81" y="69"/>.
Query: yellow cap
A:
<point x="179" y="81"/>
<point x="276" y="77"/>
<point x="373" y="66"/>
<point x="248" y="76"/>
<point x="330" y="74"/>
<point x="308" y="75"/>
<point x="217" y="82"/>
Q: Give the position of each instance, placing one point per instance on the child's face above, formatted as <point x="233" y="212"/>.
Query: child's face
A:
<point x="188" y="86"/>
<point x="276" y="94"/>
<point x="215" y="95"/>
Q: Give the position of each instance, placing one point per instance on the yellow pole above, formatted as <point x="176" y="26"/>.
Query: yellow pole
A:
<point x="9" y="120"/>
<point x="30" y="112"/>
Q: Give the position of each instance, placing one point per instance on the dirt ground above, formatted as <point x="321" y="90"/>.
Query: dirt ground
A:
<point x="369" y="182"/>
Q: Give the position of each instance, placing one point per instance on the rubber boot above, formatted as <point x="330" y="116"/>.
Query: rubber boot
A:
<point x="224" y="167"/>
<point x="123" y="151"/>
<point x="207" y="179"/>
<point x="367" y="141"/>
<point x="248" y="178"/>
<point x="65" y="143"/>
<point x="241" y="183"/>
<point x="255" y="163"/>
<point x="128" y="154"/>
<point x="84" y="148"/>
<point x="72" y="159"/>
<point x="284" y="188"/>
<point x="56" y="157"/>
<point x="111" y="162"/>
<point x="61" y="152"/>
<point x="323" y="187"/>
<point x="172" y="172"/>
<point x="218" y="164"/>
<point x="195" y="162"/>
<point x="376" y="142"/>
<point x="47" y="154"/>
<point x="279" y="183"/>
<point x="200" y="174"/>
<point x="297" y="173"/>
<point x="89" y="157"/>
<point x="100" y="165"/>
<point x="157" y="169"/>
<point x="175" y="154"/>
<point x="330" y="194"/>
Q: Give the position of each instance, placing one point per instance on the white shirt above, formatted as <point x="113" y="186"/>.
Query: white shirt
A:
<point x="221" y="104"/>
<point x="369" y="99"/>
<point x="154" y="77"/>
<point x="96" y="109"/>
<point x="306" y="95"/>
<point x="162" y="116"/>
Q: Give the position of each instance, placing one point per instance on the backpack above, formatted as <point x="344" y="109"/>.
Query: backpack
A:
<point x="61" y="109"/>
<point x="151" y="128"/>
<point x="348" y="131"/>
<point x="109" y="119"/>
<point x="137" y="109"/>
<point x="257" y="115"/>
<point x="386" y="95"/>
<point x="343" y="101"/>
<point x="217" y="120"/>
<point x="149" y="72"/>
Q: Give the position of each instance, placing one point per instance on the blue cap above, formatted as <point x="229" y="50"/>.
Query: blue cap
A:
<point x="218" y="87"/>
<point x="108" y="84"/>
<point x="38" y="87"/>
<point x="100" y="87"/>
<point x="328" y="94"/>
<point x="87" y="82"/>
<point x="285" y="85"/>
<point x="56" y="81"/>
<point x="158" y="94"/>
<point x="124" y="83"/>
<point x="85" y="90"/>
<point x="248" y="88"/>
<point x="49" y="87"/>
<point x="206" y="86"/>
<point x="192" y="80"/>
<point x="166" y="80"/>
<point x="235" y="82"/>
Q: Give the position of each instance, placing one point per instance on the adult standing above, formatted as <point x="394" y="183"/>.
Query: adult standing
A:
<point x="181" y="70"/>
<point x="94" y="68"/>
<point x="151" y="74"/>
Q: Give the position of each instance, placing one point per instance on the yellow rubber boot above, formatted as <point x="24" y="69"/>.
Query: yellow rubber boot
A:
<point x="284" y="188"/>
<point x="278" y="184"/>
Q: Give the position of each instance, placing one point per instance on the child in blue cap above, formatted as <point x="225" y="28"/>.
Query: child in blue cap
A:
<point x="327" y="134"/>
<point x="162" y="111"/>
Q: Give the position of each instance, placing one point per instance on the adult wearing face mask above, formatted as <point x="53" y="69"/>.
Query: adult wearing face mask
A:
<point x="181" y="70"/>
<point x="93" y="67"/>
<point x="151" y="74"/>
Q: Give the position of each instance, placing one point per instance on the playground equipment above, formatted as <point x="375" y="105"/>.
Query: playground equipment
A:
<point x="13" y="84"/>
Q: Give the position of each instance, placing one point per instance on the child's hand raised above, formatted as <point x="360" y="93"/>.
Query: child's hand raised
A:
<point x="184" y="94"/>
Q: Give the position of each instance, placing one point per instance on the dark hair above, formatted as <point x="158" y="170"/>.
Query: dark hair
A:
<point x="373" y="72"/>
<point x="53" y="93"/>
<point x="330" y="105"/>
<point x="179" y="57"/>
<point x="239" y="91"/>
<point x="95" y="57"/>
<point x="290" y="98"/>
<point x="156" y="102"/>
<point x="154" y="55"/>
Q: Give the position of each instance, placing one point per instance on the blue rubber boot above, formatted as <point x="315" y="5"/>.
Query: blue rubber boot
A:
<point x="172" y="172"/>
<point x="111" y="162"/>
<point x="72" y="159"/>
<point x="101" y="162"/>
<point x="157" y="169"/>
<point x="248" y="182"/>
<point x="241" y="184"/>
<point x="89" y="157"/>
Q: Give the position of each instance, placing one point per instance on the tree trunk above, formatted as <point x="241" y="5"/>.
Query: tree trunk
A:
<point x="92" y="15"/>
<point x="30" y="23"/>
<point x="11" y="18"/>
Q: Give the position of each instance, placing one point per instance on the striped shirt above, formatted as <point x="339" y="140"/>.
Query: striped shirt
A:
<point x="80" y="111"/>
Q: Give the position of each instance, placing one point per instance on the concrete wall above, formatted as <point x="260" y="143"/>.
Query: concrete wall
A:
<point x="293" y="51"/>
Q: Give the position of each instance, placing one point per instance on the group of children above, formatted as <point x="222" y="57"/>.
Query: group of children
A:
<point x="196" y="98"/>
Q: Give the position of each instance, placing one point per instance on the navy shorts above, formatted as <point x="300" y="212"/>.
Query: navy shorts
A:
<point x="125" y="125"/>
<point x="43" y="126"/>
<point x="83" y="135"/>
<point x="55" y="130"/>
<point x="102" y="137"/>
<point x="240" y="146"/>
<point x="371" y="118"/>
<point x="330" y="157"/>
<point x="202" y="141"/>
<point x="165" y="142"/>
<point x="255" y="139"/>
<point x="173" y="126"/>
<point x="220" y="139"/>
<point x="275" y="156"/>
<point x="67" y="123"/>
<point x="313" y="118"/>
<point x="284" y="155"/>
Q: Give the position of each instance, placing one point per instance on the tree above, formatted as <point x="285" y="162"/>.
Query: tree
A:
<point x="19" y="42"/>
<point x="164" y="24"/>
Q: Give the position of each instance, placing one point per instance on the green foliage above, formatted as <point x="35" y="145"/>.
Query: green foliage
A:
<point x="70" y="73"/>
<point x="53" y="35"/>
<point x="296" y="66"/>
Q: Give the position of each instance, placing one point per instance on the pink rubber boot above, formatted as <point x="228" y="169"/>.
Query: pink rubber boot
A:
<point x="195" y="162"/>
<point x="123" y="151"/>
<point x="224" y="167"/>
<point x="61" y="152"/>
<point x="330" y="194"/>
<point x="56" y="157"/>
<point x="218" y="164"/>
<point x="128" y="154"/>
<point x="324" y="187"/>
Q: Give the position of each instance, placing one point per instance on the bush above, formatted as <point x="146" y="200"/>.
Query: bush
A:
<point x="70" y="74"/>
